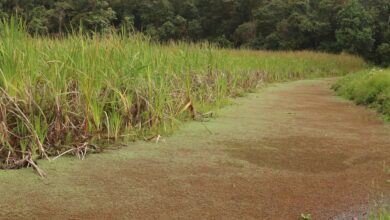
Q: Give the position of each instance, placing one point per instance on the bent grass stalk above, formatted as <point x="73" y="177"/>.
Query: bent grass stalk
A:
<point x="72" y="93"/>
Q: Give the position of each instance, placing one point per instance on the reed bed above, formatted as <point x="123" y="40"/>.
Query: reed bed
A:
<point x="69" y="95"/>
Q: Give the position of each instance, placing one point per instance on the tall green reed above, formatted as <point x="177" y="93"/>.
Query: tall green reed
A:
<point x="70" y="94"/>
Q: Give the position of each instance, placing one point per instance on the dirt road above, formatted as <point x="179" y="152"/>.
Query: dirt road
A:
<point x="290" y="149"/>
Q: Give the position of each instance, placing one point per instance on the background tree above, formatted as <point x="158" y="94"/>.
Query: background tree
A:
<point x="58" y="15"/>
<point x="38" y="20"/>
<point x="94" y="15"/>
<point x="355" y="34"/>
<point x="356" y="26"/>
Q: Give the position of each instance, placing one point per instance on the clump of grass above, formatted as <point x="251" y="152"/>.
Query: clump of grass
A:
<point x="68" y="95"/>
<point x="371" y="88"/>
<point x="379" y="214"/>
<point x="306" y="217"/>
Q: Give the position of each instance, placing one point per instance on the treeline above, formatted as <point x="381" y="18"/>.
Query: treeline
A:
<point x="355" y="26"/>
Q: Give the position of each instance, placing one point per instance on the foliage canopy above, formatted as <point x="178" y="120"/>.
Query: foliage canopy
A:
<point x="354" y="26"/>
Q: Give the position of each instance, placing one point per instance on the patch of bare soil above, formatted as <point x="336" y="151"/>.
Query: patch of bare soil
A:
<point x="293" y="148"/>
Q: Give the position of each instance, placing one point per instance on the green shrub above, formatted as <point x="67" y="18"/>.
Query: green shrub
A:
<point x="371" y="88"/>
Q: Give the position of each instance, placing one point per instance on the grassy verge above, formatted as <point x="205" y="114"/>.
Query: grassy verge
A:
<point x="379" y="214"/>
<point x="370" y="87"/>
<point x="60" y="96"/>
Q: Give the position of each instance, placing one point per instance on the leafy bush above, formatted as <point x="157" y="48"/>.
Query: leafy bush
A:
<point x="367" y="88"/>
<point x="383" y="52"/>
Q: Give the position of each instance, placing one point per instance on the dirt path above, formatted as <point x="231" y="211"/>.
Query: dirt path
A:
<point x="293" y="148"/>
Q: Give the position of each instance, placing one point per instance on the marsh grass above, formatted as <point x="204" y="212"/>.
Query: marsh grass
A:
<point x="68" y="95"/>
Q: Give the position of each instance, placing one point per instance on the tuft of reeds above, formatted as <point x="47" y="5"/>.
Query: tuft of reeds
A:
<point x="67" y="96"/>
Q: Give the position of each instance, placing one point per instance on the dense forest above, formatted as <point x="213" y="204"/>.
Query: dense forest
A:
<point x="355" y="26"/>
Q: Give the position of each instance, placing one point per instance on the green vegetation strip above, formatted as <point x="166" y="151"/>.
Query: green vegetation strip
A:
<point x="71" y="95"/>
<point x="370" y="87"/>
